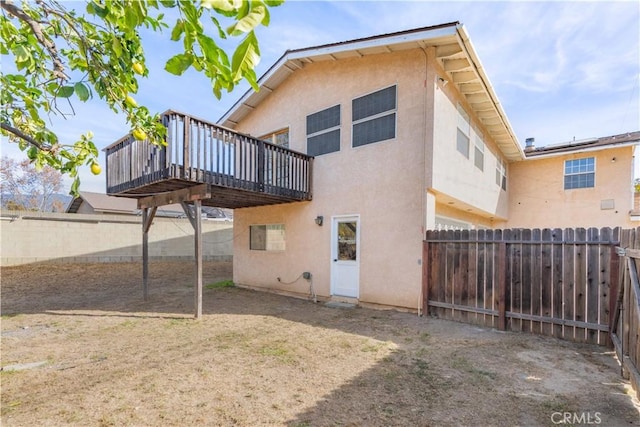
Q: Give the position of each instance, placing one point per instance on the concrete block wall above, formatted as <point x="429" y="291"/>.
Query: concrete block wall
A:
<point x="30" y="237"/>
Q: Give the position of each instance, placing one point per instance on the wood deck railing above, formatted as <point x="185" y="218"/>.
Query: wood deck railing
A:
<point x="202" y="152"/>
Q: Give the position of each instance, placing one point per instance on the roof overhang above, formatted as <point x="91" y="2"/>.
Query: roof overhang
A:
<point x="453" y="50"/>
<point x="631" y="139"/>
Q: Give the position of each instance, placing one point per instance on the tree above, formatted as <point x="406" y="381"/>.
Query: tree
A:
<point x="62" y="56"/>
<point x="29" y="188"/>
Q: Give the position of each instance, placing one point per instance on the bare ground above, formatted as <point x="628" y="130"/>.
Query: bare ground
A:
<point x="81" y="347"/>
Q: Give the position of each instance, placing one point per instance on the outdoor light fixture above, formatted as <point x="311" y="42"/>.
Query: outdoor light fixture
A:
<point x="319" y="220"/>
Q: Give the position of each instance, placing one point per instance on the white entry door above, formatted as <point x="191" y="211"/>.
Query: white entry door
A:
<point x="345" y="256"/>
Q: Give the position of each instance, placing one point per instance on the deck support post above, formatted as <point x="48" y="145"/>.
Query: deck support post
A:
<point x="147" y="219"/>
<point x="196" y="221"/>
<point x="195" y="195"/>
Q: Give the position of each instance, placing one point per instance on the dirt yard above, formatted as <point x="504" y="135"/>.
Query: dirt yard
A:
<point x="81" y="347"/>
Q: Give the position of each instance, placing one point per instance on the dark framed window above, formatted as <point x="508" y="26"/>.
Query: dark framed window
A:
<point x="580" y="173"/>
<point x="323" y="131"/>
<point x="374" y="117"/>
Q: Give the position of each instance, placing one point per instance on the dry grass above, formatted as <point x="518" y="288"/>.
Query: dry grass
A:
<point x="261" y="359"/>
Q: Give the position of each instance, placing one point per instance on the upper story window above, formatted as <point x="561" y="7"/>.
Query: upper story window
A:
<point x="269" y="237"/>
<point x="580" y="173"/>
<point x="464" y="132"/>
<point x="478" y="158"/>
<point x="323" y="131"/>
<point x="501" y="173"/>
<point x="279" y="138"/>
<point x="374" y="117"/>
<point x="276" y="167"/>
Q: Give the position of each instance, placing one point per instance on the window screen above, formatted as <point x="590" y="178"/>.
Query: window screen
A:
<point x="579" y="173"/>
<point x="268" y="237"/>
<point x="374" y="117"/>
<point x="323" y="131"/>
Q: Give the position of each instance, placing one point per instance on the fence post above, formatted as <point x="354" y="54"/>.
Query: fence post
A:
<point x="425" y="279"/>
<point x="502" y="286"/>
<point x="614" y="281"/>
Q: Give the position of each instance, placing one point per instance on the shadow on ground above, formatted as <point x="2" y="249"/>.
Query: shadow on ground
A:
<point x="419" y="371"/>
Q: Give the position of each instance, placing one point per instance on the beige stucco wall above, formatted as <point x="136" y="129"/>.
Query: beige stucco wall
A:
<point x="538" y="198"/>
<point x="456" y="180"/>
<point x="382" y="182"/>
<point x="29" y="237"/>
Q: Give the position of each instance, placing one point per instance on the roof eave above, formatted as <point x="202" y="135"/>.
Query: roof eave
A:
<point x="292" y="59"/>
<point x="513" y="151"/>
<point x="580" y="150"/>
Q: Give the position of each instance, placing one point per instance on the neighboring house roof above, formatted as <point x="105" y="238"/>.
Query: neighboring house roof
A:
<point x="102" y="203"/>
<point x="105" y="204"/>
<point x="584" y="145"/>
<point x="453" y="49"/>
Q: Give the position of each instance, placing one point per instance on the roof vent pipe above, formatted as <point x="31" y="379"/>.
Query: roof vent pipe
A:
<point x="529" y="144"/>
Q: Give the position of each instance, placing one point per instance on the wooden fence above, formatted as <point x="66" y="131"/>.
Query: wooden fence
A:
<point x="555" y="282"/>
<point x="625" y="325"/>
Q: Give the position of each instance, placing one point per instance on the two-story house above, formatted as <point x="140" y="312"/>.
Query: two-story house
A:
<point x="371" y="143"/>
<point x="408" y="135"/>
<point x="406" y="132"/>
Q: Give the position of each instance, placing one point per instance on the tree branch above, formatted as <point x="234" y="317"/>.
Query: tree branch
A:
<point x="22" y="135"/>
<point x="36" y="29"/>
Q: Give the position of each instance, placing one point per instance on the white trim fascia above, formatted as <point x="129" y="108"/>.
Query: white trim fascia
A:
<point x="376" y="42"/>
<point x="470" y="52"/>
<point x="355" y="46"/>
<point x="583" y="150"/>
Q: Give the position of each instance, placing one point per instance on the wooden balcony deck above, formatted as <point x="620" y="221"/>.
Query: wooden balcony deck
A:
<point x="241" y="171"/>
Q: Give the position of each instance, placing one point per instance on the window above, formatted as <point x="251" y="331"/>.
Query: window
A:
<point x="478" y="158"/>
<point x="268" y="237"/>
<point x="276" y="170"/>
<point x="501" y="173"/>
<point x="374" y="117"/>
<point x="579" y="173"/>
<point x="464" y="131"/>
<point x="323" y="131"/>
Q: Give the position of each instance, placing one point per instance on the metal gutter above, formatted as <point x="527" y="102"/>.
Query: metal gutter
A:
<point x="582" y="150"/>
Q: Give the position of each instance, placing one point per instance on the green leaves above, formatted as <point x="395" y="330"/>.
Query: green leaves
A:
<point x="61" y="55"/>
<point x="65" y="91"/>
<point x="245" y="59"/>
<point x="258" y="14"/>
<point x="179" y="64"/>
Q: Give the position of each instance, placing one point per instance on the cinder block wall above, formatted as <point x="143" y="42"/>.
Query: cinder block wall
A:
<point x="30" y="237"/>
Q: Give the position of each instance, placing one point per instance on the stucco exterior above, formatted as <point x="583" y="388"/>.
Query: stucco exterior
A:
<point x="344" y="183"/>
<point x="418" y="180"/>
<point x="539" y="200"/>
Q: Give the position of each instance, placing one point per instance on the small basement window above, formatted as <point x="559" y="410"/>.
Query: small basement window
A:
<point x="580" y="173"/>
<point x="269" y="237"/>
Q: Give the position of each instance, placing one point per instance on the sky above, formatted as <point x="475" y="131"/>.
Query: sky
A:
<point x="561" y="70"/>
